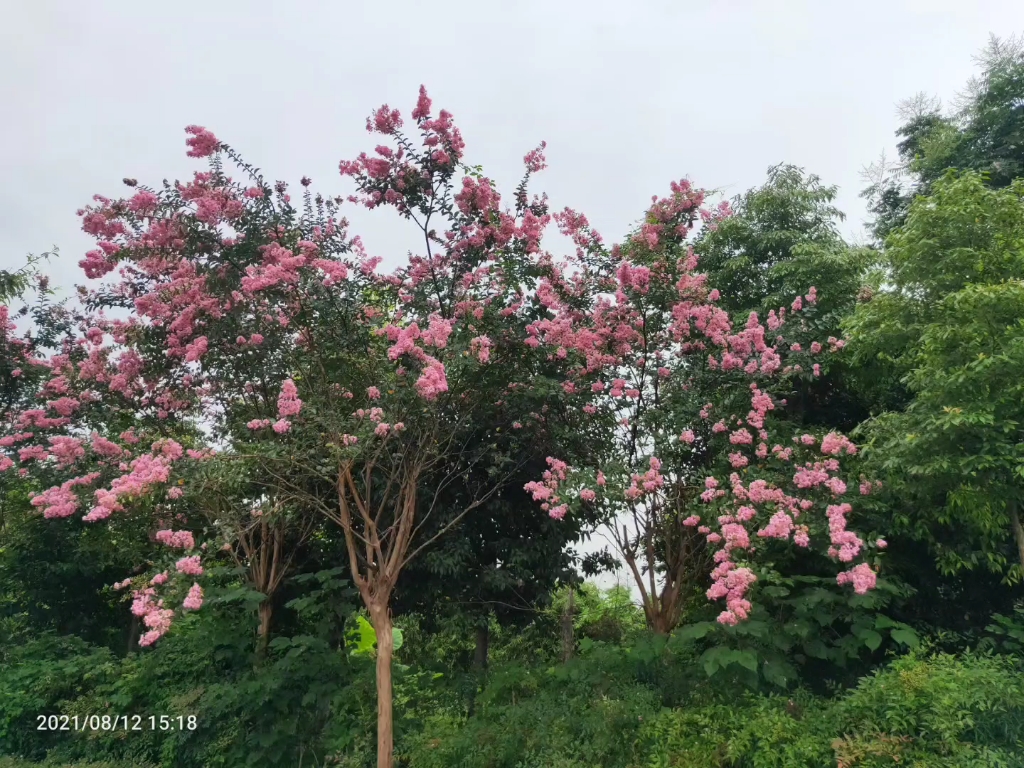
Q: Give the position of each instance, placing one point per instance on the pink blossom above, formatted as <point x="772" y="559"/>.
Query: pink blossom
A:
<point x="432" y="381"/>
<point x="176" y="539"/>
<point x="741" y="437"/>
<point x="67" y="450"/>
<point x="202" y="142"/>
<point x="288" y="402"/>
<point x="861" y="576"/>
<point x="833" y="444"/>
<point x="104" y="447"/>
<point x="534" y="159"/>
<point x="779" y="527"/>
<point x="196" y="349"/>
<point x="189" y="565"/>
<point x="194" y="599"/>
<point x="281" y="426"/>
<point x="384" y="120"/>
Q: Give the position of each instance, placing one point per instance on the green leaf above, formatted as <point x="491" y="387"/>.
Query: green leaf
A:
<point x="363" y="637"/>
<point x="884" y="622"/>
<point x="777" y="672"/>
<point x="694" y="631"/>
<point x="871" y="639"/>
<point x="906" y="636"/>
<point x="746" y="659"/>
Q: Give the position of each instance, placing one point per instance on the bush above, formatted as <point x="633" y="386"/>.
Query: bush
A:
<point x="576" y="715"/>
<point x="936" y="712"/>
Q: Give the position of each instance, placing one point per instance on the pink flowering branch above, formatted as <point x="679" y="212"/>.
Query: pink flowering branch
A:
<point x="652" y="354"/>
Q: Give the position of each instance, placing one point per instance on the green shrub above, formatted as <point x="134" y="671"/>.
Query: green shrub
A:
<point x="934" y="712"/>
<point x="578" y="715"/>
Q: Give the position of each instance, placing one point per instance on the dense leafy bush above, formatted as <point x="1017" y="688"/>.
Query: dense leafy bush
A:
<point x="939" y="711"/>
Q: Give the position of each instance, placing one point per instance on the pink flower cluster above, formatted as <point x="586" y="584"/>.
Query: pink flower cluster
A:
<point x="153" y="614"/>
<point x="288" y="402"/>
<point x="176" y="539"/>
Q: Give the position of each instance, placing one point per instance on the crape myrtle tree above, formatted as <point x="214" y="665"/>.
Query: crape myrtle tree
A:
<point x="693" y="471"/>
<point x="53" y="576"/>
<point x="267" y="334"/>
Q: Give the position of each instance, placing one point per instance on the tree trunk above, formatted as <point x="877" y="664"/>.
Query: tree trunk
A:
<point x="660" y="624"/>
<point x="568" y="637"/>
<point x="479" y="665"/>
<point x="133" y="633"/>
<point x="263" y="638"/>
<point x="480" y="653"/>
<point x="1018" y="531"/>
<point x="381" y="620"/>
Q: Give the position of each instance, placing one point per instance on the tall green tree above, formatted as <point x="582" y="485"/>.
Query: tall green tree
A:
<point x="984" y="132"/>
<point x="950" y="323"/>
<point x="782" y="238"/>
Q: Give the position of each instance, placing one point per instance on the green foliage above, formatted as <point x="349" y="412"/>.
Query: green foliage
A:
<point x="951" y="326"/>
<point x="781" y="239"/>
<point x="984" y="134"/>
<point x="585" y="713"/>
<point x="927" y="711"/>
<point x="803" y="630"/>
<point x="305" y="700"/>
<point x="1006" y="633"/>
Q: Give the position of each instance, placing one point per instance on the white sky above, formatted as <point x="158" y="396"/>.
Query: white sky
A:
<point x="629" y="95"/>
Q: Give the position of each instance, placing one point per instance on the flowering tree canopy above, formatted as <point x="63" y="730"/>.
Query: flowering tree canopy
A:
<point x="264" y="334"/>
<point x="688" y="400"/>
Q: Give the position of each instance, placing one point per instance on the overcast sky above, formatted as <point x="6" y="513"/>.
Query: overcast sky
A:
<point x="629" y="95"/>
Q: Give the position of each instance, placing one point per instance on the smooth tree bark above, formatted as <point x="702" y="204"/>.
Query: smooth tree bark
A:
<point x="380" y="617"/>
